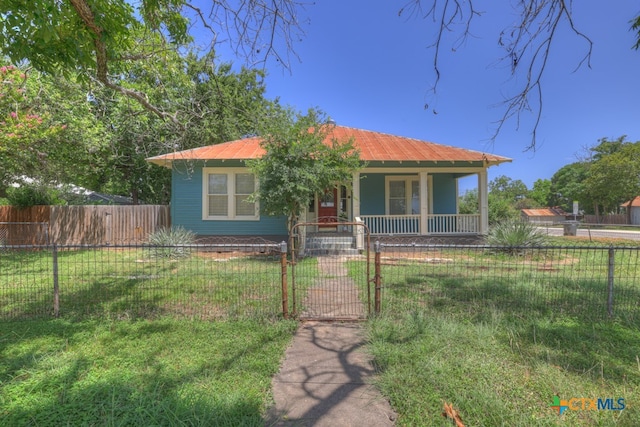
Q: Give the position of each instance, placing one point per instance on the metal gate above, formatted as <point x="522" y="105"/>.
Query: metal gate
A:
<point x="330" y="272"/>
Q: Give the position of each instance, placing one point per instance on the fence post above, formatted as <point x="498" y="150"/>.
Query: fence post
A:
<point x="610" y="281"/>
<point x="377" y="278"/>
<point x="56" y="289"/>
<point x="283" y="268"/>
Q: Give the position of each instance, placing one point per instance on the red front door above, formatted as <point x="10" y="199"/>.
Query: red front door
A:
<point x="328" y="208"/>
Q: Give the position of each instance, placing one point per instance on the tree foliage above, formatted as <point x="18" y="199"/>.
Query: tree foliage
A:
<point x="298" y="164"/>
<point x="104" y="39"/>
<point x="27" y="126"/>
<point x="615" y="178"/>
<point x="540" y="194"/>
<point x="568" y="184"/>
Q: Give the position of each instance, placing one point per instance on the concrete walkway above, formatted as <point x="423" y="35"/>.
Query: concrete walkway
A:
<point x="325" y="381"/>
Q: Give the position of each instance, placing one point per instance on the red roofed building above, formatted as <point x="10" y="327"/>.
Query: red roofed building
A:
<point x="406" y="187"/>
<point x="633" y="210"/>
<point x="545" y="216"/>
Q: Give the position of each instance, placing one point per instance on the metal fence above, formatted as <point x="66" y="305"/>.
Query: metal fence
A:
<point x="586" y="282"/>
<point x="247" y="280"/>
<point x="213" y="281"/>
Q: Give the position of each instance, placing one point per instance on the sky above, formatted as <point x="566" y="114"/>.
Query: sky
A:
<point x="368" y="68"/>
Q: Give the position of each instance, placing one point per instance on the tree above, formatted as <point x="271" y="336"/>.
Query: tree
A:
<point x="468" y="202"/>
<point x="508" y="189"/>
<point x="103" y="39"/>
<point x="216" y="104"/>
<point x="298" y="164"/>
<point x="541" y="192"/>
<point x="568" y="184"/>
<point x="615" y="178"/>
<point x="25" y="125"/>
<point x="506" y="197"/>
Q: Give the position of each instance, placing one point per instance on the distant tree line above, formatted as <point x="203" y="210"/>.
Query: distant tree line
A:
<point x="606" y="175"/>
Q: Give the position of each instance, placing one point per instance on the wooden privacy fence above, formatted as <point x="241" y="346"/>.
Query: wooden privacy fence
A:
<point x="83" y="225"/>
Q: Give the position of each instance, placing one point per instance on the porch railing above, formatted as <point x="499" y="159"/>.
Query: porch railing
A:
<point x="410" y="224"/>
<point x="392" y="224"/>
<point x="454" y="224"/>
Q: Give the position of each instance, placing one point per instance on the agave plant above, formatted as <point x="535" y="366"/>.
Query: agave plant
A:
<point x="172" y="242"/>
<point x="513" y="236"/>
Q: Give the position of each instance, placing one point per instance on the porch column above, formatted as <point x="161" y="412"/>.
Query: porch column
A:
<point x="424" y="202"/>
<point x="355" y="195"/>
<point x="358" y="232"/>
<point x="483" y="201"/>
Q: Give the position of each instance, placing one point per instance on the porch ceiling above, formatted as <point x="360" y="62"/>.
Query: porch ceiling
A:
<point x="373" y="146"/>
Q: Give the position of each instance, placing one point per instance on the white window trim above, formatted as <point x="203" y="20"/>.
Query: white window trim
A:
<point x="231" y="182"/>
<point x="408" y="179"/>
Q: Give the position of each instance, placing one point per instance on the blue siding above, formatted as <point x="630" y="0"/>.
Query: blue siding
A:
<point x="444" y="193"/>
<point x="372" y="194"/>
<point x="186" y="210"/>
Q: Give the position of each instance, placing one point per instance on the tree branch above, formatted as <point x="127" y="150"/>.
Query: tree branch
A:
<point x="527" y="44"/>
<point x="87" y="16"/>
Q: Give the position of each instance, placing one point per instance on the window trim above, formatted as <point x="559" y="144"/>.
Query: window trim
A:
<point x="408" y="179"/>
<point x="231" y="195"/>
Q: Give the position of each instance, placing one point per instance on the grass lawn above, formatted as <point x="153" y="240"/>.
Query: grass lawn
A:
<point x="498" y="337"/>
<point x="138" y="373"/>
<point x="133" y="283"/>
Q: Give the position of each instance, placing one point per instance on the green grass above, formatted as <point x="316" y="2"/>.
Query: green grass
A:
<point x="504" y="373"/>
<point x="132" y="283"/>
<point x="138" y="373"/>
<point x="499" y="336"/>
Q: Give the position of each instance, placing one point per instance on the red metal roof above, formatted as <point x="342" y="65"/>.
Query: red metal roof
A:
<point x="634" y="203"/>
<point x="542" y="212"/>
<point x="373" y="146"/>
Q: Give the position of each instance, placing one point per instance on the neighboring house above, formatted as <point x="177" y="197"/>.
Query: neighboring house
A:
<point x="408" y="187"/>
<point x="545" y="216"/>
<point x="634" y="205"/>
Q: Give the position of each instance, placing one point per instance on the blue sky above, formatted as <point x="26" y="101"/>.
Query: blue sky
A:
<point x="368" y="68"/>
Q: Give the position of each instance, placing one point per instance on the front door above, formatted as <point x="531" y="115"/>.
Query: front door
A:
<point x="328" y="208"/>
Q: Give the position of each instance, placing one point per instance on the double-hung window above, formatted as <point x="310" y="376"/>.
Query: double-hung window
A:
<point x="226" y="195"/>
<point x="403" y="195"/>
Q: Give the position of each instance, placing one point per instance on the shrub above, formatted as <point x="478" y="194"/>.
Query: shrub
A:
<point x="172" y="242"/>
<point x="28" y="195"/>
<point x="512" y="236"/>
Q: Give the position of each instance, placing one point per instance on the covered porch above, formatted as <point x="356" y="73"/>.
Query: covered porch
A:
<point x="399" y="202"/>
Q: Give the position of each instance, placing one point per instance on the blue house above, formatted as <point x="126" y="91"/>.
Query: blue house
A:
<point x="406" y="187"/>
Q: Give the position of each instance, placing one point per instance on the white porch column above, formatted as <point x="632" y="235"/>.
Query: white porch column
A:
<point x="355" y="195"/>
<point x="483" y="201"/>
<point x="358" y="231"/>
<point x="424" y="202"/>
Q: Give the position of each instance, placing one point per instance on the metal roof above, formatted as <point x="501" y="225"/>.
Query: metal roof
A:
<point x="634" y="203"/>
<point x="373" y="146"/>
<point x="543" y="212"/>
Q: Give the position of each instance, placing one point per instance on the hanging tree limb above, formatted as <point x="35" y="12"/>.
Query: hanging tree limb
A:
<point x="527" y="45"/>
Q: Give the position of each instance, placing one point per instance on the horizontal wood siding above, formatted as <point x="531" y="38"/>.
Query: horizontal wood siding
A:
<point x="444" y="194"/>
<point x="186" y="210"/>
<point x="372" y="194"/>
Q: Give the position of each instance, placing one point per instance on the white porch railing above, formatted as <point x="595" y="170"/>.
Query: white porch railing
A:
<point x="454" y="224"/>
<point x="392" y="224"/>
<point x="410" y="224"/>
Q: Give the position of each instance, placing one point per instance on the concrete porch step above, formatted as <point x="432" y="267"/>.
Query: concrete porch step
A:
<point x="330" y="244"/>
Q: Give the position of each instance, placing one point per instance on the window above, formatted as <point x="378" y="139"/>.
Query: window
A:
<point x="226" y="195"/>
<point x="403" y="195"/>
